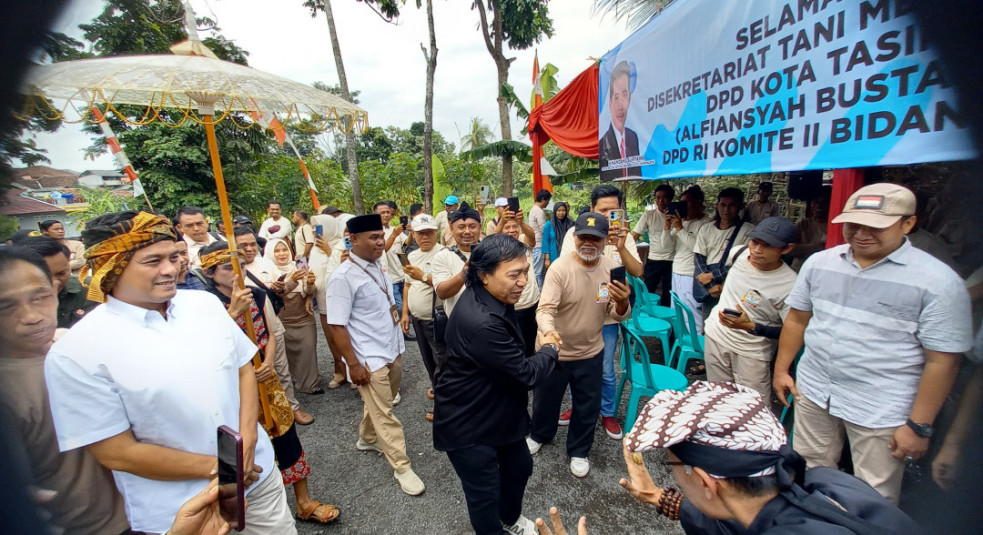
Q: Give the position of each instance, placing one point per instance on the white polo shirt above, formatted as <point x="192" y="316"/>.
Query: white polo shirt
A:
<point x="172" y="382"/>
<point x="356" y="301"/>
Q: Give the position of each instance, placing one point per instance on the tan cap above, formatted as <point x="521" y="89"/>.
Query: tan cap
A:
<point x="878" y="205"/>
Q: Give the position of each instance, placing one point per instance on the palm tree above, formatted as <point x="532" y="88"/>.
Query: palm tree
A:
<point x="635" y="13"/>
<point x="478" y="135"/>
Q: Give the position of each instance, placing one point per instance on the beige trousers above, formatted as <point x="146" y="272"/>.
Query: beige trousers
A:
<point x="379" y="425"/>
<point x="724" y="364"/>
<point x="818" y="437"/>
<point x="267" y="510"/>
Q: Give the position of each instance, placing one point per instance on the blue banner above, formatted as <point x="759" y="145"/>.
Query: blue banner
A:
<point x="717" y="88"/>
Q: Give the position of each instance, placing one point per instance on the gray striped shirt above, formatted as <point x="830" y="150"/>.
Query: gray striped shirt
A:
<point x="864" y="344"/>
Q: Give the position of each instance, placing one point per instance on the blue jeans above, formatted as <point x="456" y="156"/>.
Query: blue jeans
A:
<point x="537" y="263"/>
<point x="398" y="295"/>
<point x="609" y="379"/>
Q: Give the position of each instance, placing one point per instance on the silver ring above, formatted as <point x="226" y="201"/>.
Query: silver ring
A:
<point x="909" y="460"/>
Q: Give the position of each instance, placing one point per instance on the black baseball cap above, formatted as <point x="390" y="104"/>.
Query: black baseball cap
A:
<point x="591" y="224"/>
<point x="775" y="231"/>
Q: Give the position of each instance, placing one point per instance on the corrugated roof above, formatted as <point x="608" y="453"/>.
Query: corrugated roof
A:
<point x="44" y="176"/>
<point x="17" y="204"/>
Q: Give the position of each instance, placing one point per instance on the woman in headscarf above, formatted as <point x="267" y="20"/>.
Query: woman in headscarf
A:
<point x="297" y="316"/>
<point x="216" y="264"/>
<point x="554" y="231"/>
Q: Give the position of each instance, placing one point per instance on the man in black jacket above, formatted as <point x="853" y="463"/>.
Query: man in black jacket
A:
<point x="619" y="142"/>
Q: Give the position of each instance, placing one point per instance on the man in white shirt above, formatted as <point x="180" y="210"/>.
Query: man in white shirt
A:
<point x="304" y="236"/>
<point x="192" y="225"/>
<point x="364" y="323"/>
<point x="537" y="220"/>
<point x="742" y="330"/>
<point x="275" y="226"/>
<point x="449" y="264"/>
<point x="151" y="413"/>
<point x="680" y="230"/>
<point x="716" y="240"/>
<point x="395" y="238"/>
<point x="658" y="268"/>
<point x="451" y="203"/>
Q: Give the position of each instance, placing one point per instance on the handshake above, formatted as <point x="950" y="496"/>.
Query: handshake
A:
<point x="551" y="337"/>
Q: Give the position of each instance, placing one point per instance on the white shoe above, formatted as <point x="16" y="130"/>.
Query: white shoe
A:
<point x="522" y="526"/>
<point x="397" y="399"/>
<point x="410" y="482"/>
<point x="579" y="466"/>
<point x="362" y="445"/>
<point x="533" y="446"/>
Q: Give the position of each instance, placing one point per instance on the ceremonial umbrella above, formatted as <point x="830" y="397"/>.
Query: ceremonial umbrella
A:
<point x="193" y="88"/>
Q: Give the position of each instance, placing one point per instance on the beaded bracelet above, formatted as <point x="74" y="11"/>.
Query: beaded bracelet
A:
<point x="669" y="503"/>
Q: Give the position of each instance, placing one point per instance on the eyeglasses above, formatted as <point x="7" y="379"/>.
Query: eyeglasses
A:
<point x="686" y="468"/>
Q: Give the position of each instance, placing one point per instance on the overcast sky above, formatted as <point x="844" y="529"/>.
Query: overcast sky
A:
<point x="383" y="60"/>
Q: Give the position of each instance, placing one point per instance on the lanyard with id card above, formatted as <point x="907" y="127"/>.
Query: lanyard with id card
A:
<point x="381" y="285"/>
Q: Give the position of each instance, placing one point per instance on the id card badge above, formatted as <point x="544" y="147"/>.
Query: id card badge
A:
<point x="395" y="314"/>
<point x="602" y="293"/>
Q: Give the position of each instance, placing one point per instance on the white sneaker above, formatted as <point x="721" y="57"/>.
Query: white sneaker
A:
<point x="522" y="526"/>
<point x="397" y="399"/>
<point x="533" y="446"/>
<point x="362" y="445"/>
<point x="410" y="482"/>
<point x="579" y="466"/>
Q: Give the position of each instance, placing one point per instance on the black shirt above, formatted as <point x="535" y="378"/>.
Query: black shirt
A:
<point x="781" y="516"/>
<point x="482" y="390"/>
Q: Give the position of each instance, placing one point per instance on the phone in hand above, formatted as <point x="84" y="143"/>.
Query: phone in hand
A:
<point x="618" y="274"/>
<point x="403" y="259"/>
<point x="514" y="204"/>
<point x="403" y="220"/>
<point x="615" y="219"/>
<point x="731" y="312"/>
<point x="485" y="195"/>
<point x="348" y="243"/>
<point x="677" y="208"/>
<point x="319" y="230"/>
<point x="302" y="263"/>
<point x="231" y="478"/>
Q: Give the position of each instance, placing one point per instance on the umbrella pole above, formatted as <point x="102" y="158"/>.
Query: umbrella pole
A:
<point x="223" y="201"/>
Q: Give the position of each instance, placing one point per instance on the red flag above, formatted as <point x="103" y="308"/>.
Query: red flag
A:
<point x="537" y="85"/>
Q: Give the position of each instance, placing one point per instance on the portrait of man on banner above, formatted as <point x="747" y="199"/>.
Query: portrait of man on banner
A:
<point x="619" y="142"/>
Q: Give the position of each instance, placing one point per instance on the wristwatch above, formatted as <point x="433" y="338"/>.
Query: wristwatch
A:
<point x="427" y="277"/>
<point x="922" y="430"/>
<point x="554" y="347"/>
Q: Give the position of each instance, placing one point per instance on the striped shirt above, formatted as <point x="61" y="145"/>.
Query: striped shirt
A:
<point x="864" y="343"/>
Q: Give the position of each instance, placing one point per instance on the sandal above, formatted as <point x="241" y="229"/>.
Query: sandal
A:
<point x="337" y="380"/>
<point x="696" y="369"/>
<point x="430" y="393"/>
<point x="429" y="416"/>
<point x="316" y="392"/>
<point x="329" y="513"/>
<point x="302" y="417"/>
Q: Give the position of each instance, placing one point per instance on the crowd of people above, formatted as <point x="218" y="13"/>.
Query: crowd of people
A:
<point x="499" y="307"/>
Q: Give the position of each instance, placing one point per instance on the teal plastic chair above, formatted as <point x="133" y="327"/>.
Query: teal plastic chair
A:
<point x="647" y="325"/>
<point x="645" y="378"/>
<point x="649" y="304"/>
<point x="689" y="344"/>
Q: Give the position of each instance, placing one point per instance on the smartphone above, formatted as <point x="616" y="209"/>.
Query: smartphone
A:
<point x="677" y="208"/>
<point x="348" y="243"/>
<point x="732" y="312"/>
<point x="302" y="263"/>
<point x="231" y="481"/>
<point x="514" y="204"/>
<point x="616" y="219"/>
<point x="618" y="274"/>
<point x="403" y="220"/>
<point x="403" y="259"/>
<point x="485" y="195"/>
<point x="319" y="230"/>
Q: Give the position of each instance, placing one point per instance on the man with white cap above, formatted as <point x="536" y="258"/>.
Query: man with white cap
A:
<point x="737" y="474"/>
<point x="501" y="205"/>
<point x="884" y="325"/>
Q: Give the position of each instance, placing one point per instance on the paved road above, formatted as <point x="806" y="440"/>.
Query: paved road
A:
<point x="361" y="484"/>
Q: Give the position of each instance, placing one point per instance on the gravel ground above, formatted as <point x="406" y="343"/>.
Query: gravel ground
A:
<point x="362" y="486"/>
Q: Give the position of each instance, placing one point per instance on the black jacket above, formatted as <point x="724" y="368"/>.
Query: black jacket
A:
<point x="482" y="390"/>
<point x="609" y="150"/>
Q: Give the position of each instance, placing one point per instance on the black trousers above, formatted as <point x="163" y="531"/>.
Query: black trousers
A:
<point x="434" y="353"/>
<point x="659" y="273"/>
<point x="494" y="482"/>
<point x="528" y="326"/>
<point x="584" y="379"/>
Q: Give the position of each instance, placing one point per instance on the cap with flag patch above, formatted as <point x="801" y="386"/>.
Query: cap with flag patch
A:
<point x="878" y="205"/>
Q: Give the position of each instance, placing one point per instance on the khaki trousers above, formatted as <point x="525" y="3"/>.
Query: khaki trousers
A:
<point x="379" y="425"/>
<point x="723" y="364"/>
<point x="267" y="510"/>
<point x="818" y="437"/>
